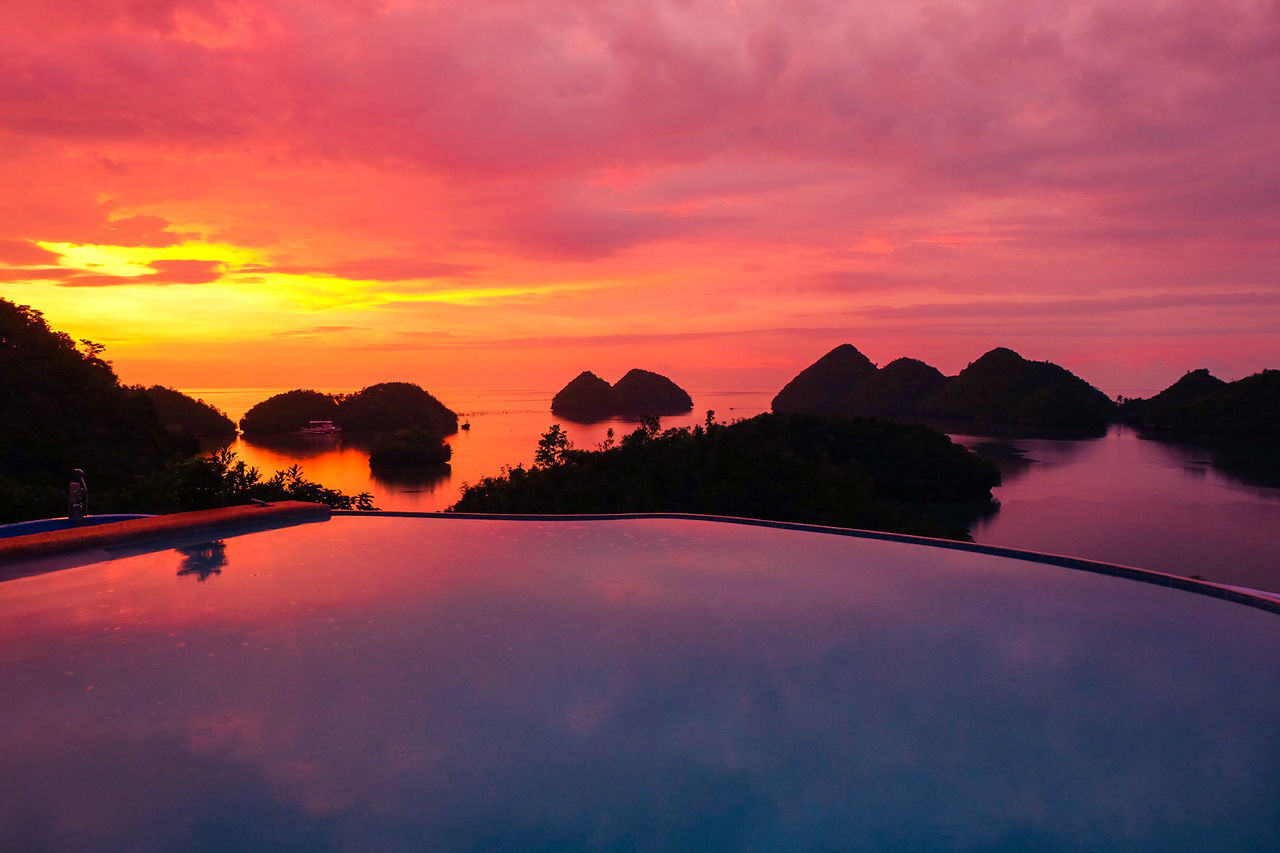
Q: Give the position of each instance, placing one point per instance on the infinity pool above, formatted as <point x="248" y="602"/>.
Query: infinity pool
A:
<point x="375" y="683"/>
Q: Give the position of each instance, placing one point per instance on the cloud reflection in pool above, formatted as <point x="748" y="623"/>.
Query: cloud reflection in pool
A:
<point x="651" y="684"/>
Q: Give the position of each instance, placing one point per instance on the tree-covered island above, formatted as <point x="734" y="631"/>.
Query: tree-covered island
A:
<point x="832" y="471"/>
<point x="1003" y="389"/>
<point x="1000" y="388"/>
<point x="375" y="409"/>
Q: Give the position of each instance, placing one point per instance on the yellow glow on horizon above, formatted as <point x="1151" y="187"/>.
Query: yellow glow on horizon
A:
<point x="133" y="316"/>
<point x="324" y="293"/>
<point x="310" y="292"/>
<point x="134" y="260"/>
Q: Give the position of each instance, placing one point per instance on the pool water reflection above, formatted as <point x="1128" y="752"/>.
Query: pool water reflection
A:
<point x="395" y="683"/>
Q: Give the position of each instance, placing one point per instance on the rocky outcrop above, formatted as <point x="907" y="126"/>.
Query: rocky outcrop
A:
<point x="1001" y="387"/>
<point x="643" y="392"/>
<point x="827" y="386"/>
<point x="586" y="396"/>
<point x="1200" y="402"/>
<point x="640" y="392"/>
<point x="901" y="388"/>
<point x="845" y="383"/>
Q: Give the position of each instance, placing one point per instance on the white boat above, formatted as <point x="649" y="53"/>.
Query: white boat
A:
<point x="320" y="428"/>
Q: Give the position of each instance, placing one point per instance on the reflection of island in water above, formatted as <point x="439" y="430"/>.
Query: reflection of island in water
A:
<point x="1251" y="462"/>
<point x="202" y="560"/>
<point x="1183" y="507"/>
<point x="427" y="476"/>
<point x="301" y="446"/>
<point x="1011" y="459"/>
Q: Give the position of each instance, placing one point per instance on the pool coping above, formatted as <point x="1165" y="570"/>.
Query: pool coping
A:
<point x="243" y="519"/>
<point x="34" y="546"/>
<point x="1259" y="599"/>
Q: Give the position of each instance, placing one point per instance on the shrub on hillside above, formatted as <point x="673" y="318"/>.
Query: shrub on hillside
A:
<point x="833" y="471"/>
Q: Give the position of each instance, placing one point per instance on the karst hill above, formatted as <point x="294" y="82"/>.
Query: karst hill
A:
<point x="640" y="392"/>
<point x="1200" y="402"/>
<point x="1001" y="387"/>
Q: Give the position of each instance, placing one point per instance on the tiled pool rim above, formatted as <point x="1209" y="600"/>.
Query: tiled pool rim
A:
<point x="870" y="692"/>
<point x="1260" y="599"/>
<point x="230" y="521"/>
<point x="78" y="536"/>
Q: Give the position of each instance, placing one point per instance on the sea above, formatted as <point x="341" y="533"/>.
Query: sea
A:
<point x="1210" y="510"/>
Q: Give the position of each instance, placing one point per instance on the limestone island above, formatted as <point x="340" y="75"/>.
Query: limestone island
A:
<point x="639" y="392"/>
<point x="1200" y="402"/>
<point x="1001" y="387"/>
<point x="381" y="408"/>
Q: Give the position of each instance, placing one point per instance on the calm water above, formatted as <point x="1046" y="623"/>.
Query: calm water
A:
<point x="1212" y="512"/>
<point x="387" y="684"/>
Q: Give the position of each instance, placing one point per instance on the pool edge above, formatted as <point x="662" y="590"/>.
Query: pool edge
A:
<point x="33" y="546"/>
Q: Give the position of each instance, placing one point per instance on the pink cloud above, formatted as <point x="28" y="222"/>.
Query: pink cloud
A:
<point x="1086" y="149"/>
<point x="592" y="233"/>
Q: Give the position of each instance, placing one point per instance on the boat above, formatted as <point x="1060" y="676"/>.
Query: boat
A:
<point x="319" y="427"/>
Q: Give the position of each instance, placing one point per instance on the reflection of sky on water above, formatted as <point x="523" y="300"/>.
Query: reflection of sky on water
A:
<point x="371" y="683"/>
<point x="1124" y="499"/>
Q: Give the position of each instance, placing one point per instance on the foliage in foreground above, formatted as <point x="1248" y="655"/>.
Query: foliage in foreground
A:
<point x="222" y="479"/>
<point x="190" y="483"/>
<point x="62" y="407"/>
<point x="833" y="471"/>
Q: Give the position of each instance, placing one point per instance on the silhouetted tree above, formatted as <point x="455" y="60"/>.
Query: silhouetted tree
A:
<point x="61" y="407"/>
<point x="552" y="447"/>
<point x="844" y="472"/>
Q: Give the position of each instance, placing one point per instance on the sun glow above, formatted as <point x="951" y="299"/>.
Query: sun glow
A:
<point x="132" y="261"/>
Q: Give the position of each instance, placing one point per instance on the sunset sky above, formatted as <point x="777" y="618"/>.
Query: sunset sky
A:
<point x="504" y="193"/>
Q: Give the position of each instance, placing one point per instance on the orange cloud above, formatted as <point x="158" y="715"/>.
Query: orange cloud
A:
<point x="161" y="272"/>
